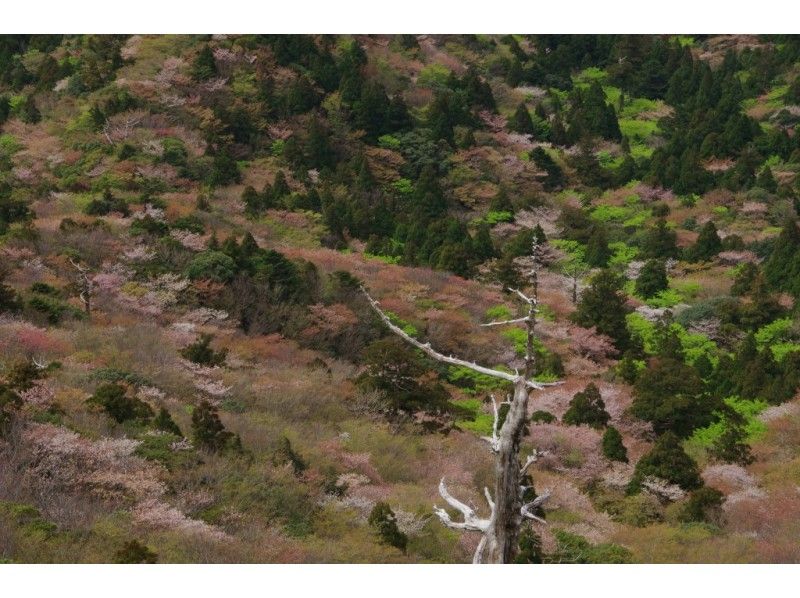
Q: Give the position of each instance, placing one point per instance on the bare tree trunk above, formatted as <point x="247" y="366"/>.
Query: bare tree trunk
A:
<point x="504" y="531"/>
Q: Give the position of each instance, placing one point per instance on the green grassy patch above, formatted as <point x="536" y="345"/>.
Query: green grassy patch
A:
<point x="637" y="130"/>
<point x="749" y="410"/>
<point x="623" y="253"/>
<point x="479" y="422"/>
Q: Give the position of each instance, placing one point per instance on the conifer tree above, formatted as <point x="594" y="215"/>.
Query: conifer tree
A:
<point x="704" y="506"/>
<point x="514" y="73"/>
<point x="613" y="448"/>
<point x="521" y="121"/>
<point x="708" y="244"/>
<point x="669" y="394"/>
<point x="252" y="201"/>
<point x="554" y="176"/>
<point x="530" y="548"/>
<point x="792" y="95"/>
<point x="766" y="181"/>
<point x="397" y="116"/>
<point x="372" y="110"/>
<point x="29" y="112"/>
<point x="383" y="519"/>
<point x="745" y="279"/>
<point x="482" y="246"/>
<point x="668" y="461"/>
<point x="731" y="446"/>
<point x="9" y="299"/>
<point x="603" y="305"/>
<point x="164" y="422"/>
<point x="204" y="66"/>
<point x="280" y="188"/>
<point x="317" y="150"/>
<point x="652" y="279"/>
<point x="587" y="407"/>
<point x="782" y="268"/>
<point x="507" y="273"/>
<point x="501" y="202"/>
<point x="597" y="251"/>
<point x="660" y="241"/>
<point x="209" y="433"/>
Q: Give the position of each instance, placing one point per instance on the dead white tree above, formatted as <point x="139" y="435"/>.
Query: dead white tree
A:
<point x="507" y="509"/>
<point x="84" y="286"/>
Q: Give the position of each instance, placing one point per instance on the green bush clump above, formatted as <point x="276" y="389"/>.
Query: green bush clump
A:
<point x="134" y="552"/>
<point x="572" y="548"/>
<point x="191" y="223"/>
<point x="159" y="448"/>
<point x="383" y="519"/>
<point x="53" y="309"/>
<point x="211" y="265"/>
<point x="106" y="204"/>
<point x="112" y="398"/>
<point x="208" y="432"/>
<point x="201" y="353"/>
<point x="541" y="416"/>
<point x="703" y="506"/>
<point x="118" y="375"/>
<point x="638" y="510"/>
<point x="29" y="518"/>
<point x="284" y="454"/>
<point x="149" y="225"/>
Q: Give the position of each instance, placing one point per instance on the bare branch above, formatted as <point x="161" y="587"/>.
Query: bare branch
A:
<point x="527" y="509"/>
<point x="504" y="322"/>
<point x="471" y="521"/>
<point x="494" y="441"/>
<point x="78" y="267"/>
<point x="532" y="458"/>
<point x="477" y="558"/>
<point x="524" y="297"/>
<point x="426" y="347"/>
<point x="39" y="364"/>
<point x="488" y="498"/>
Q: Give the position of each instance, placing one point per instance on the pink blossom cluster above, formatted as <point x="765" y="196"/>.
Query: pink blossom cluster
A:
<point x="39" y="395"/>
<point x="732" y="258"/>
<point x="189" y="239"/>
<point x="156" y="514"/>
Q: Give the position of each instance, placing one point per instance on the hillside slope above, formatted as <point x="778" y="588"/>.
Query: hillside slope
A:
<point x="190" y="373"/>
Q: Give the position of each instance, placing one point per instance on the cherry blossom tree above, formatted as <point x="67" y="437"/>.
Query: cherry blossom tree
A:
<point x="507" y="509"/>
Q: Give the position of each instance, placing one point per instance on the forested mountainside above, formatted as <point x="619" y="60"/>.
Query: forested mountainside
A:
<point x="190" y="371"/>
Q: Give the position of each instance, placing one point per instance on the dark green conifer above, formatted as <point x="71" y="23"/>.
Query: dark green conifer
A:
<point x="597" y="250"/>
<point x="667" y="461"/>
<point x="204" y="66"/>
<point x="603" y="305"/>
<point x="587" y="407"/>
<point x="613" y="448"/>
<point x="521" y="121"/>
<point x="652" y="279"/>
